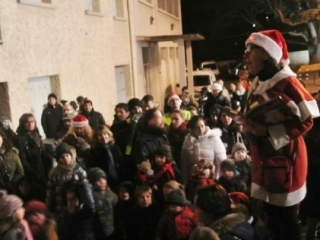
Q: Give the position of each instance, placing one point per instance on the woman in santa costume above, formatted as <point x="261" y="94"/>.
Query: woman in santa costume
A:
<point x="279" y="157"/>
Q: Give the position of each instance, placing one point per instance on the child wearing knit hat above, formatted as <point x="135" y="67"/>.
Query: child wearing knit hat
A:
<point x="12" y="224"/>
<point x="242" y="162"/>
<point x="178" y="216"/>
<point x="67" y="169"/>
<point x="105" y="200"/>
<point x="41" y="224"/>
<point x="228" y="178"/>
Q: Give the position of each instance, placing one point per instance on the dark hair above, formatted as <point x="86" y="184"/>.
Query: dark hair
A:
<point x="123" y="106"/>
<point x="147" y="98"/>
<point x="180" y="112"/>
<point x="70" y="186"/>
<point x="6" y="144"/>
<point x="149" y="114"/>
<point x="184" y="88"/>
<point x="22" y="120"/>
<point x="214" y="200"/>
<point x="193" y="121"/>
<point x="204" y="91"/>
<point x="142" y="189"/>
<point x="80" y="99"/>
<point x="74" y="105"/>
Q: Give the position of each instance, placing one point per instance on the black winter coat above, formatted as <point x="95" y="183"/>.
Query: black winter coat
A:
<point x="141" y="223"/>
<point x="50" y="119"/>
<point x="219" y="100"/>
<point x="34" y="161"/>
<point x="147" y="143"/>
<point x="176" y="138"/>
<point x="99" y="157"/>
<point x="79" y="224"/>
<point x="94" y="118"/>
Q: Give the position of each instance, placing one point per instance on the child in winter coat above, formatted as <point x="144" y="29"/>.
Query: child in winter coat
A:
<point x="178" y="221"/>
<point x="42" y="226"/>
<point x="164" y="171"/>
<point x="228" y="178"/>
<point x="202" y="175"/>
<point x="242" y="161"/>
<point x="66" y="170"/>
<point x="105" y="201"/>
<point x="78" y="212"/>
<point x="12" y="224"/>
<point x="142" y="219"/>
<point x="126" y="202"/>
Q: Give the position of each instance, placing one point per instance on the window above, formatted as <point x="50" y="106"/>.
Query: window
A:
<point x="118" y="8"/>
<point x="169" y="6"/>
<point x="92" y="5"/>
<point x="38" y="3"/>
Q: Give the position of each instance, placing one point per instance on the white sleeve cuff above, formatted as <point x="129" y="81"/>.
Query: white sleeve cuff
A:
<point x="278" y="136"/>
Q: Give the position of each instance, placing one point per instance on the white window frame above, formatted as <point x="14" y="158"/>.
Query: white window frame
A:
<point x="38" y="3"/>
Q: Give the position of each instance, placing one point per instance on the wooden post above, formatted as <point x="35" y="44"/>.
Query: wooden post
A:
<point x="190" y="68"/>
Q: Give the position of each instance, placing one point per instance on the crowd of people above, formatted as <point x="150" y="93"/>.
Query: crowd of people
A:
<point x="188" y="172"/>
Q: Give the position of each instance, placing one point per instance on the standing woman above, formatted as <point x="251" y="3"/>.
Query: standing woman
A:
<point x="10" y="166"/>
<point x="201" y="143"/>
<point x="176" y="134"/>
<point x="106" y="155"/>
<point x="30" y="148"/>
<point x="280" y="143"/>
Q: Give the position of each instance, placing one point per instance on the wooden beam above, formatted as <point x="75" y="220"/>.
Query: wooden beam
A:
<point x="186" y="37"/>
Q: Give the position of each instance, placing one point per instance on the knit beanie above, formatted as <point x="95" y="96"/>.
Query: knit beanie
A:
<point x="133" y="102"/>
<point x="228" y="164"/>
<point x="79" y="121"/>
<point x="52" y="95"/>
<point x="177" y="197"/>
<point x="235" y="105"/>
<point x="62" y="149"/>
<point x="215" y="110"/>
<point x="217" y="86"/>
<point x="239" y="197"/>
<point x="94" y="174"/>
<point x="238" y="146"/>
<point x="35" y="206"/>
<point x="172" y="96"/>
<point x="164" y="150"/>
<point x="128" y="186"/>
<point x="9" y="204"/>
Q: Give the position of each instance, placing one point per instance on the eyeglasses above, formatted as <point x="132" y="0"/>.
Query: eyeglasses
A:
<point x="250" y="48"/>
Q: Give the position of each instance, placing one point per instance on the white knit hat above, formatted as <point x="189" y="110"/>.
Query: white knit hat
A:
<point x="217" y="86"/>
<point x="79" y="121"/>
<point x="272" y="42"/>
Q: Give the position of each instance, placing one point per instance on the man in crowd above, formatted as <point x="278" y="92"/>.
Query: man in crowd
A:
<point x="95" y="118"/>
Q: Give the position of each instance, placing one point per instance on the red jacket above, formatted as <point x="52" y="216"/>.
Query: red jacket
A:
<point x="176" y="226"/>
<point x="280" y="141"/>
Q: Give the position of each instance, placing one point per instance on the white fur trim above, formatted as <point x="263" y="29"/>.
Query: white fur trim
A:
<point x="263" y="86"/>
<point x="281" y="199"/>
<point x="173" y="97"/>
<point x="267" y="43"/>
<point x="80" y="124"/>
<point x="278" y="136"/>
<point x="308" y="108"/>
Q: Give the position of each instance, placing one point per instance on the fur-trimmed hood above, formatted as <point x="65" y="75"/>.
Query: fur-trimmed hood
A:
<point x="210" y="133"/>
<point x="234" y="224"/>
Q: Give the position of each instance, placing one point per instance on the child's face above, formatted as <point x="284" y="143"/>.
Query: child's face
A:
<point x="240" y="155"/>
<point x="65" y="159"/>
<point x="145" y="199"/>
<point x="72" y="201"/>
<point x="200" y="167"/>
<point x="103" y="138"/>
<point x="124" y="194"/>
<point x="148" y="105"/>
<point x="175" y="208"/>
<point x="24" y="188"/>
<point x="37" y="218"/>
<point x="101" y="184"/>
<point x="227" y="173"/>
<point x="160" y="160"/>
<point x="122" y="114"/>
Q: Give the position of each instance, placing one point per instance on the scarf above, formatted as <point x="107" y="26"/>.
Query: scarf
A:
<point x="36" y="138"/>
<point x="179" y="132"/>
<point x="67" y="168"/>
<point x="111" y="164"/>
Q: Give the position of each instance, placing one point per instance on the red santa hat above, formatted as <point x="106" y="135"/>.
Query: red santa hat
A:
<point x="172" y="96"/>
<point x="272" y="42"/>
<point x="79" y="121"/>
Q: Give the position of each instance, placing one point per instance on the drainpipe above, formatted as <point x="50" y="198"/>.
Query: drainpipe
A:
<point x="133" y="64"/>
